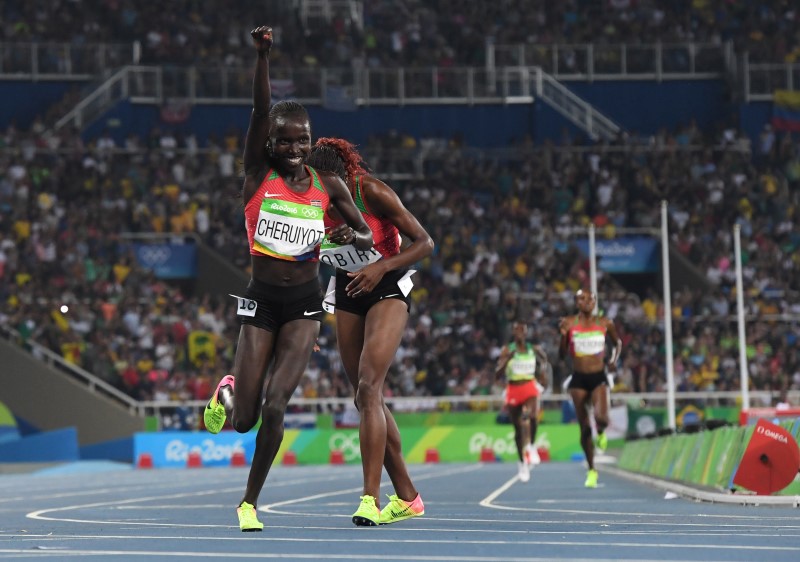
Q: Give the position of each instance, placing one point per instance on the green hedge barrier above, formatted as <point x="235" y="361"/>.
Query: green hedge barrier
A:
<point x="708" y="458"/>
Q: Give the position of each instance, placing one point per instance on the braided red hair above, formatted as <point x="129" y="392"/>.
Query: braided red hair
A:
<point x="353" y="163"/>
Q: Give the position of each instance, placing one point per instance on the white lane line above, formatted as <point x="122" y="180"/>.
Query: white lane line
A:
<point x="579" y="544"/>
<point x="363" y="538"/>
<point x="270" y="508"/>
<point x="94" y="491"/>
<point x="487" y="501"/>
<point x="41" y="514"/>
<point x="286" y="556"/>
<point x="592" y="501"/>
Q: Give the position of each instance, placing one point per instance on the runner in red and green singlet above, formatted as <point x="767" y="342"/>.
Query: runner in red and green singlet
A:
<point x="372" y="303"/>
<point x="583" y="338"/>
<point x="281" y="308"/>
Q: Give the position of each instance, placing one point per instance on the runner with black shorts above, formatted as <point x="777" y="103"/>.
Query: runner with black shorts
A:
<point x="371" y="306"/>
<point x="583" y="338"/>
<point x="285" y="203"/>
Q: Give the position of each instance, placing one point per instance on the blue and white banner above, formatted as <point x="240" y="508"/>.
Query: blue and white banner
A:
<point x="631" y="254"/>
<point x="172" y="448"/>
<point x="168" y="260"/>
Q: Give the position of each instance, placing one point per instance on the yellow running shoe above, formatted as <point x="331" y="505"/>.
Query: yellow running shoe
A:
<point x="602" y="442"/>
<point x="248" y="520"/>
<point x="367" y="514"/>
<point x="399" y="510"/>
<point x="591" y="479"/>
<point x="214" y="414"/>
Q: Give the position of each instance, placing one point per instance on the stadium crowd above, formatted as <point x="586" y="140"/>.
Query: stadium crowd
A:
<point x="401" y="32"/>
<point x="500" y="222"/>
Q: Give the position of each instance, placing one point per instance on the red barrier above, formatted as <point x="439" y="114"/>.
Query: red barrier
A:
<point x="238" y="459"/>
<point x="145" y="460"/>
<point x="337" y="457"/>
<point x="432" y="455"/>
<point x="194" y="460"/>
<point x="487" y="455"/>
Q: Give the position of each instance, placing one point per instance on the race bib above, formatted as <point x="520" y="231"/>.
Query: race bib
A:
<point x="589" y="344"/>
<point x="245" y="307"/>
<point x="329" y="302"/>
<point x="525" y="367"/>
<point x="405" y="283"/>
<point x="288" y="230"/>
<point x="347" y="257"/>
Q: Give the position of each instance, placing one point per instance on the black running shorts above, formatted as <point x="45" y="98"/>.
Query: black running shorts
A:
<point x="385" y="289"/>
<point x="271" y="306"/>
<point x="589" y="381"/>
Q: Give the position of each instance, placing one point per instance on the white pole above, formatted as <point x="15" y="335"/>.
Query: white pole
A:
<point x="667" y="316"/>
<point x="593" y="265"/>
<point x="743" y="374"/>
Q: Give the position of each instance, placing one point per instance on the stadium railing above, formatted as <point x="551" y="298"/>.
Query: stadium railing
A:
<point x="585" y="61"/>
<point x="90" y="381"/>
<point x="62" y="61"/>
<point x="656" y="61"/>
<point x="333" y="88"/>
<point x="762" y="79"/>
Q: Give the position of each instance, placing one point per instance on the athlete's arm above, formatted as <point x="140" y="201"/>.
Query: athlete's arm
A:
<point x="255" y="155"/>
<point x="383" y="202"/>
<point x="502" y="363"/>
<point x="354" y="230"/>
<point x="611" y="332"/>
<point x="543" y="361"/>
<point x="539" y="350"/>
<point x="563" y="328"/>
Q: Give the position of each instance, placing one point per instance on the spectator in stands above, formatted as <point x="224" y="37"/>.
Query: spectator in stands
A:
<point x="372" y="307"/>
<point x="282" y="307"/>
<point x="48" y="188"/>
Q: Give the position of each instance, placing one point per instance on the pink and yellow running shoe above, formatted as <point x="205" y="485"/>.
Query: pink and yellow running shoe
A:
<point x="214" y="414"/>
<point x="399" y="510"/>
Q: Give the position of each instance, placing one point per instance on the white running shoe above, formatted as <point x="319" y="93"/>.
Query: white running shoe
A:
<point x="523" y="472"/>
<point x="532" y="456"/>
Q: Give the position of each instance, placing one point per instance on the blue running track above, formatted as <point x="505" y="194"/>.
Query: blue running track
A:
<point x="473" y="512"/>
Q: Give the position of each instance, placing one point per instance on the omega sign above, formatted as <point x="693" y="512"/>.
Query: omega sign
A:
<point x="772" y="434"/>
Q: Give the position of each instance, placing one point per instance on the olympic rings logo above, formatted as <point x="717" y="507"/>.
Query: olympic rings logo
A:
<point x="347" y="443"/>
<point x="310" y="213"/>
<point x="154" y="255"/>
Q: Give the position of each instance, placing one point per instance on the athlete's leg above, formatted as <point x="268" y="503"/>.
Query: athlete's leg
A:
<point x="533" y="407"/>
<point x="350" y="339"/>
<point x="350" y="335"/>
<point x="293" y="348"/>
<point x="383" y="331"/>
<point x="580" y="398"/>
<point x="394" y="462"/>
<point x="600" y="399"/>
<point x="519" y="417"/>
<point x="253" y="353"/>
